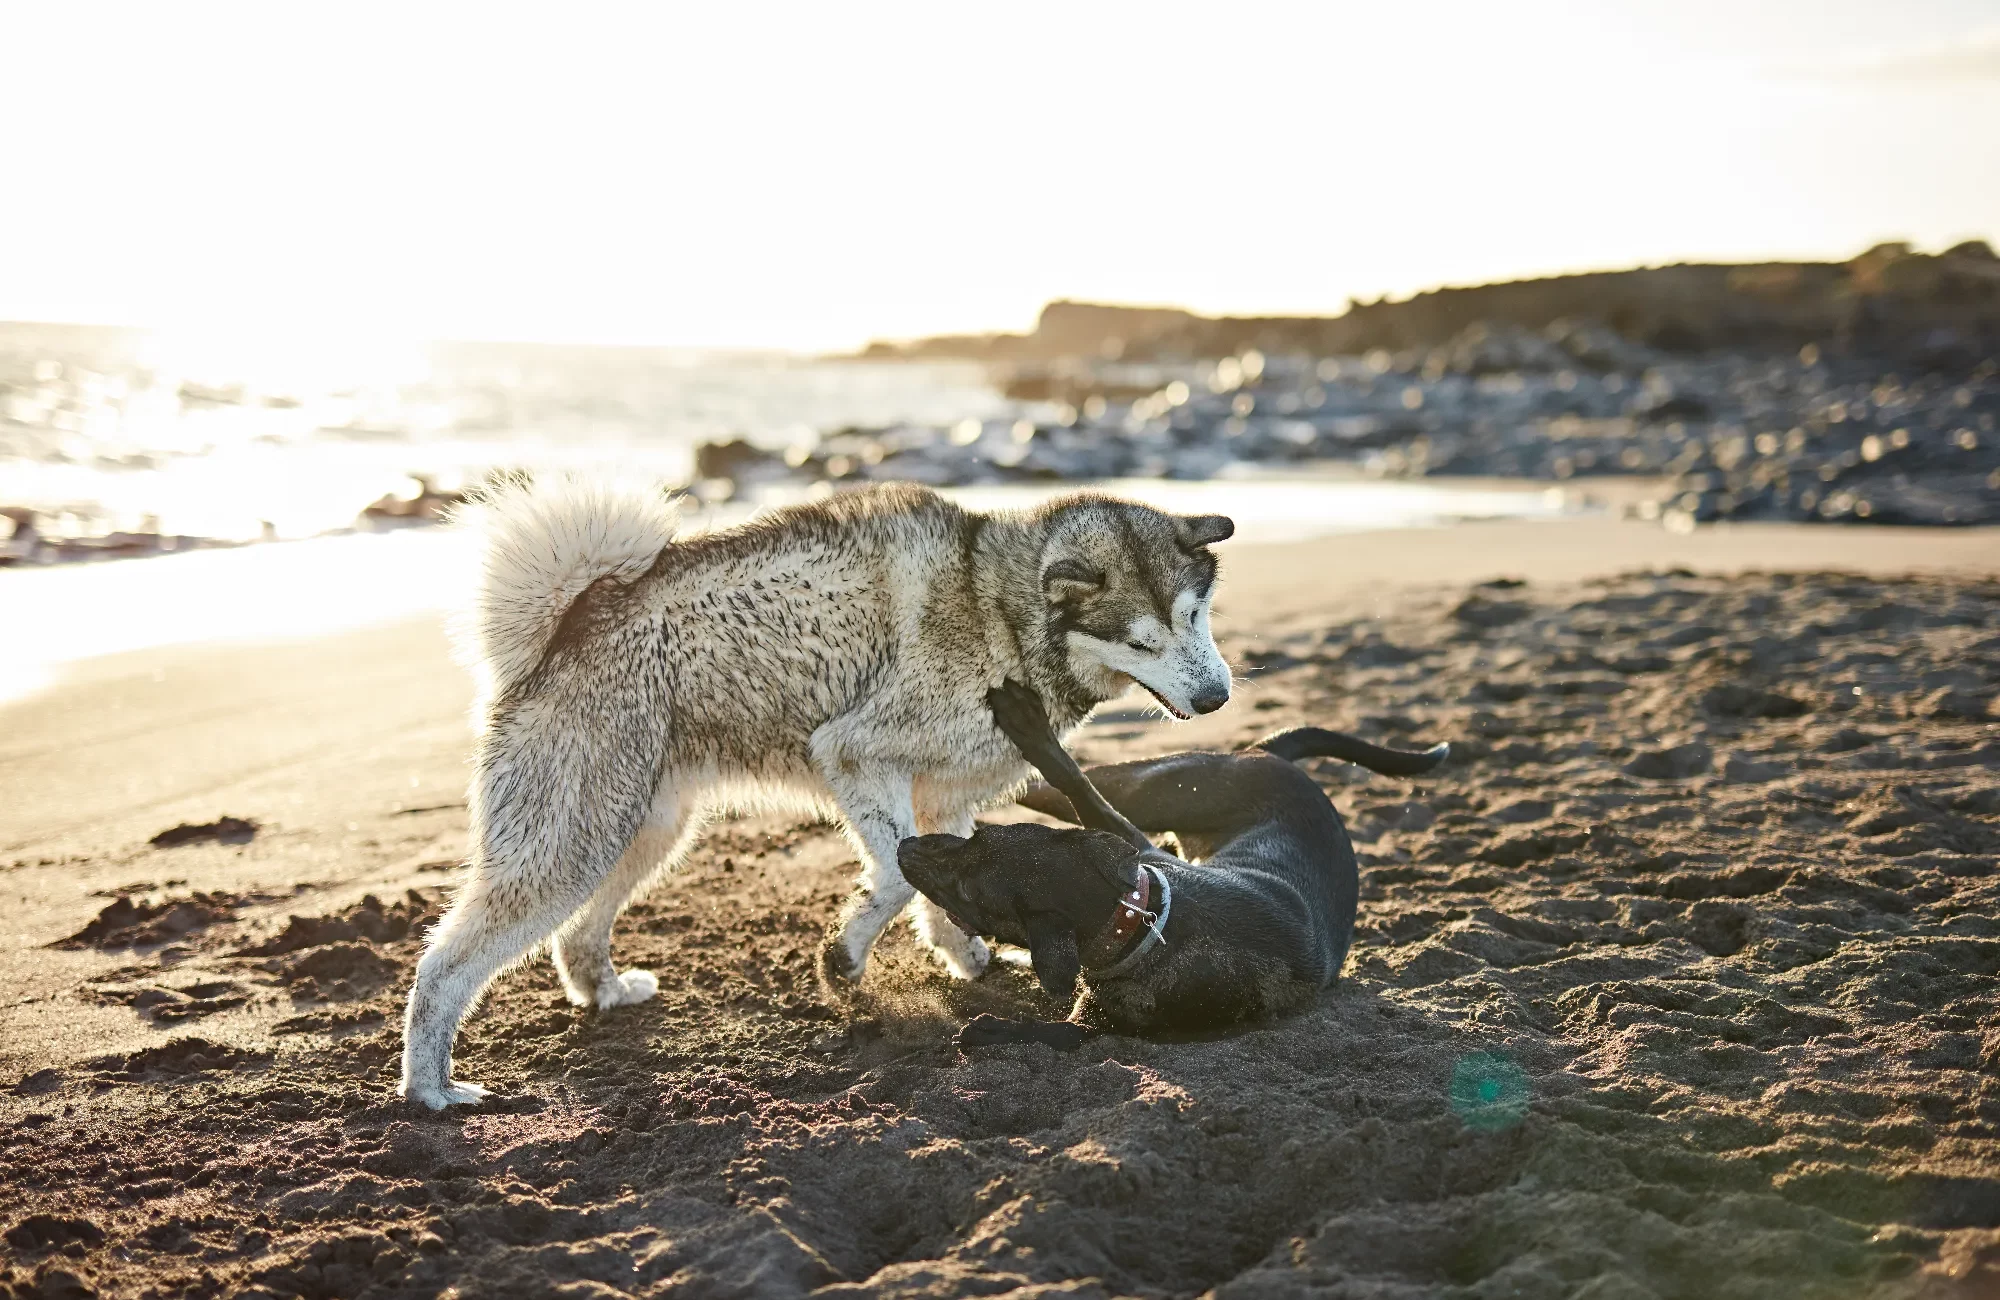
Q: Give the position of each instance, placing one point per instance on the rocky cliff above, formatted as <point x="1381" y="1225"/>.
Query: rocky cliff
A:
<point x="1890" y="299"/>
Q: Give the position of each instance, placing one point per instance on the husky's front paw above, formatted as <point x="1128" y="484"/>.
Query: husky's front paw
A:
<point x="452" y="1093"/>
<point x="632" y="986"/>
<point x="969" y="961"/>
<point x="838" y="966"/>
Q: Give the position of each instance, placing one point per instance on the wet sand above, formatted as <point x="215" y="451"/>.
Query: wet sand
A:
<point x="1679" y="980"/>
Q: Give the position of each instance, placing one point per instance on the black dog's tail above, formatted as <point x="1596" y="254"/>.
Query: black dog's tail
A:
<point x="1318" y="742"/>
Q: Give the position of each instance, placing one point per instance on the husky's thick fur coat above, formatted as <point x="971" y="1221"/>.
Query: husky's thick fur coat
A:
<point x="833" y="656"/>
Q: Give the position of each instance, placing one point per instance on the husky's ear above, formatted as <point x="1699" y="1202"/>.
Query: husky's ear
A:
<point x="1052" y="945"/>
<point x="1068" y="580"/>
<point x="1203" y="530"/>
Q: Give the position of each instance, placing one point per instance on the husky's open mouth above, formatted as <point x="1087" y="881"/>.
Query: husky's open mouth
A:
<point x="1163" y="702"/>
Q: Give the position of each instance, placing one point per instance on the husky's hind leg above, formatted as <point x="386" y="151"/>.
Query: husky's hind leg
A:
<point x="552" y="810"/>
<point x="493" y="924"/>
<point x="582" y="949"/>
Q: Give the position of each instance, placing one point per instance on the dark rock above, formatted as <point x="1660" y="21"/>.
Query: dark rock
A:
<point x="1496" y="347"/>
<point x="734" y="459"/>
<point x="20" y="536"/>
<point x="1946" y="352"/>
<point x="425" y="504"/>
<point x="1597" y="346"/>
<point x="1673" y="335"/>
<point x="224" y="830"/>
<point x="1673" y="406"/>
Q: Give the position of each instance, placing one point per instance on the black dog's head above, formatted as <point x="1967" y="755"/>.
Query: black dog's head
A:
<point x="1048" y="889"/>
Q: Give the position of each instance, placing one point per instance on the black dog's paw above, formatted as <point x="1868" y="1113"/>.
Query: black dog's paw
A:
<point x="1018" y="711"/>
<point x="993" y="1031"/>
<point x="984" y="1030"/>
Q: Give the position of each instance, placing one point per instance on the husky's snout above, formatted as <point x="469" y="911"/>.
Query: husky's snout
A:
<point x="1195" y="680"/>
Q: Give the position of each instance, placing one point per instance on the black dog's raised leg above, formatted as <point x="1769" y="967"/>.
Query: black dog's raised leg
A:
<point x="1018" y="712"/>
<point x="1192" y="791"/>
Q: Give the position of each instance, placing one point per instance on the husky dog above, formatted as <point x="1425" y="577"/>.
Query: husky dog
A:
<point x="832" y="656"/>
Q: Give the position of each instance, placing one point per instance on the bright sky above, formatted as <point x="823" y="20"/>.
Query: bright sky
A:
<point x="813" y="175"/>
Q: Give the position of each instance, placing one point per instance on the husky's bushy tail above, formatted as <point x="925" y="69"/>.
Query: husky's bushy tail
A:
<point x="542" y="541"/>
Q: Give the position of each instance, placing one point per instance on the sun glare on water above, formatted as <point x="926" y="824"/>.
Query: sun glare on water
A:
<point x="295" y="360"/>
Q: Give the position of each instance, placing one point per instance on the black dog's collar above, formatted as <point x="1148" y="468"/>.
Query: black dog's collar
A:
<point x="1136" y="925"/>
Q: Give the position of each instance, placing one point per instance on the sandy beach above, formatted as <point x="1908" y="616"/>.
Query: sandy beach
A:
<point x="1678" y="981"/>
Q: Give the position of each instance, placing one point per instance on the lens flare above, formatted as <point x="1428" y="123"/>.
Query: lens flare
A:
<point x="1489" y="1092"/>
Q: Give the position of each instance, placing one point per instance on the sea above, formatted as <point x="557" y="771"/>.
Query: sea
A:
<point x="284" y="439"/>
<point x="257" y="438"/>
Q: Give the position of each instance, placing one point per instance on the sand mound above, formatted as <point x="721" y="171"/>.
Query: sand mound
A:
<point x="370" y="919"/>
<point x="128" y="922"/>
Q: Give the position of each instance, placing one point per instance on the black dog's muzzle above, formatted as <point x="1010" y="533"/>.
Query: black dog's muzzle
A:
<point x="927" y="861"/>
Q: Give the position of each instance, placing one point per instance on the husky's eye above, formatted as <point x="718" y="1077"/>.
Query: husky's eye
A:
<point x="1140" y="646"/>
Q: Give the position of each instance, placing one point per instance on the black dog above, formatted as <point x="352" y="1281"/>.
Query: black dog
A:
<point x="1259" y="927"/>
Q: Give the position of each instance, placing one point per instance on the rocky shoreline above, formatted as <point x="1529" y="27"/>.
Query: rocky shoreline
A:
<point x="29" y="536"/>
<point x="1864" y="391"/>
<point x="1807" y="436"/>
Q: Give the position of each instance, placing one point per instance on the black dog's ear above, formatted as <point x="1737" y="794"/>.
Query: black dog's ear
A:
<point x="1114" y="859"/>
<point x="1204" y="530"/>
<point x="1052" y="945"/>
<point x="1068" y="580"/>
